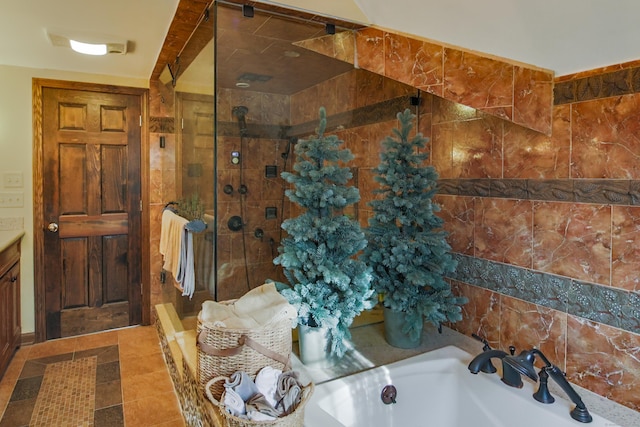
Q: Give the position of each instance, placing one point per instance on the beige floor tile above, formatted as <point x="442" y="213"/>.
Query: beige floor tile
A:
<point x="135" y="365"/>
<point x="53" y="347"/>
<point x="151" y="411"/>
<point x="101" y="339"/>
<point x="139" y="386"/>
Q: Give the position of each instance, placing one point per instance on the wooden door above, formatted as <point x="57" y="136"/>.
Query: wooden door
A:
<point x="91" y="145"/>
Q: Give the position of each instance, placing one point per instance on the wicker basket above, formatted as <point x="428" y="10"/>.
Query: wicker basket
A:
<point x="223" y="351"/>
<point x="294" y="419"/>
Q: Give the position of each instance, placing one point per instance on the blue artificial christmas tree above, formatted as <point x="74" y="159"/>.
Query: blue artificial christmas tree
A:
<point x="328" y="285"/>
<point x="407" y="248"/>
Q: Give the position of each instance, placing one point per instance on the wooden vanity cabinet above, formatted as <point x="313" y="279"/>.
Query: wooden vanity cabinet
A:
<point x="10" y="328"/>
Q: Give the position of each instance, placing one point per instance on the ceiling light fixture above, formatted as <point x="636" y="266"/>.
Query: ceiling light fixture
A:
<point x="88" y="48"/>
<point x="88" y="44"/>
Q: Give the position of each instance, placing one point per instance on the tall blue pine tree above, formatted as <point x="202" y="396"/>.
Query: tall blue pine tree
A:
<point x="407" y="248"/>
<point x="329" y="286"/>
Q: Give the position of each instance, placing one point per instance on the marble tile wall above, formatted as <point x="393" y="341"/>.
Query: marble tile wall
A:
<point x="516" y="92"/>
<point x="546" y="233"/>
<point x="245" y="259"/>
<point x="548" y="249"/>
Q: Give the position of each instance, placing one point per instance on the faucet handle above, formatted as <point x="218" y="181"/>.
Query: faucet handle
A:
<point x="486" y="347"/>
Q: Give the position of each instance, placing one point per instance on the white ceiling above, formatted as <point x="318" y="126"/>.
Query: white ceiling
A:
<point x="24" y="42"/>
<point x="564" y="36"/>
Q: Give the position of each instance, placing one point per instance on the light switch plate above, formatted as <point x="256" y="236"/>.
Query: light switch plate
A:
<point x="13" y="179"/>
<point x="11" y="199"/>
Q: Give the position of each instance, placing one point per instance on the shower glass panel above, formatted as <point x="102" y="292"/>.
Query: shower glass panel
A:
<point x="264" y="92"/>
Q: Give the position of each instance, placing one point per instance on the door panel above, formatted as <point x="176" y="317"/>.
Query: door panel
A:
<point x="91" y="149"/>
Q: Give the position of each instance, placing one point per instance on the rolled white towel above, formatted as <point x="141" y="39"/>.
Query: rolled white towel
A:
<point x="267" y="383"/>
<point x="259" y="416"/>
<point x="242" y="384"/>
<point x="233" y="403"/>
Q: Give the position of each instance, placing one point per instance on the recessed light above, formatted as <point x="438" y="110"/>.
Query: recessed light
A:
<point x="242" y="85"/>
<point x="291" y="54"/>
<point x="88" y="44"/>
<point x="88" y="48"/>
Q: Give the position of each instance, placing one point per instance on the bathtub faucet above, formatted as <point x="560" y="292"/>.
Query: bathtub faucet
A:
<point x="523" y="363"/>
<point x="482" y="362"/>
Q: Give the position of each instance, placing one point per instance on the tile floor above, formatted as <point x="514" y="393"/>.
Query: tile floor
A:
<point x="132" y="387"/>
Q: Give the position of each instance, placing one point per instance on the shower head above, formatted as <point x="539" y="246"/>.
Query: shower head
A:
<point x="240" y="112"/>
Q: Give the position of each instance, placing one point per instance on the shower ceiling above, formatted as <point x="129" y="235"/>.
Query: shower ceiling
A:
<point x="262" y="46"/>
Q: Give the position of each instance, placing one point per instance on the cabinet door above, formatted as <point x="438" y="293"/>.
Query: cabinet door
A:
<point x="15" y="324"/>
<point x="6" y="342"/>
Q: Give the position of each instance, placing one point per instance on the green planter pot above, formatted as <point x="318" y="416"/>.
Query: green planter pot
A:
<point x="393" y="322"/>
<point x="314" y="348"/>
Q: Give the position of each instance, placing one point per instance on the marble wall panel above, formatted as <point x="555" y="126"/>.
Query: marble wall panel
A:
<point x="525" y="325"/>
<point x="605" y="360"/>
<point x="481" y="314"/>
<point x="605" y="140"/>
<point x="476" y="149"/>
<point x="476" y="81"/>
<point x="411" y="61"/>
<point x="625" y="248"/>
<point x="458" y="215"/>
<point x="533" y="98"/>
<point x="503" y="230"/>
<point x="534" y="155"/>
<point x="370" y="50"/>
<point x="572" y="240"/>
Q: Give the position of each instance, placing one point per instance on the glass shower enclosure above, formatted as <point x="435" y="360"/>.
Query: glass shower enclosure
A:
<point x="246" y="93"/>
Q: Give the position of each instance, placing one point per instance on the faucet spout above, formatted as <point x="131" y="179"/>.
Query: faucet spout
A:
<point x="482" y="362"/>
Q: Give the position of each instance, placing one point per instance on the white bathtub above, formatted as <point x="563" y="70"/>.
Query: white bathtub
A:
<point x="435" y="389"/>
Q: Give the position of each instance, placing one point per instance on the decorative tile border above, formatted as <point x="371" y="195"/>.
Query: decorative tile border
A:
<point x="615" y="83"/>
<point x="603" y="304"/>
<point x="601" y="191"/>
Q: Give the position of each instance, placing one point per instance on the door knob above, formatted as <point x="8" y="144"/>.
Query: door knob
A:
<point x="53" y="227"/>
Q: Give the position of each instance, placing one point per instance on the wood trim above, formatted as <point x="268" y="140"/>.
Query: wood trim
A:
<point x="38" y="196"/>
<point x="185" y="21"/>
<point x="28" y="338"/>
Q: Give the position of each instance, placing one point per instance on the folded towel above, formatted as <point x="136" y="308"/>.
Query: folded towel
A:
<point x="288" y="392"/>
<point x="171" y="232"/>
<point x="242" y="384"/>
<point x="290" y="400"/>
<point x="218" y="314"/>
<point x="196" y="226"/>
<point x="259" y="416"/>
<point x="185" y="275"/>
<point x="258" y="403"/>
<point x="233" y="403"/>
<point x="260" y="307"/>
<point x="267" y="383"/>
<point x="265" y="305"/>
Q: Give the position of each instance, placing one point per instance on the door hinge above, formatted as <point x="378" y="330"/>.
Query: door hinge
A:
<point x="141" y="289"/>
<point x="140" y="205"/>
<point x="140" y="120"/>
<point x="182" y="123"/>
